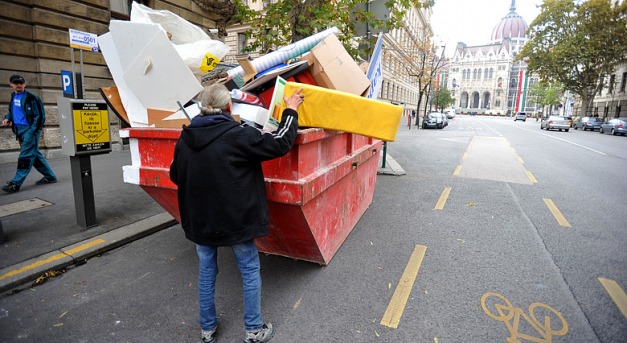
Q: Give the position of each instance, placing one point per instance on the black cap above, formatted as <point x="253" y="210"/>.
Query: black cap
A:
<point x="17" y="79"/>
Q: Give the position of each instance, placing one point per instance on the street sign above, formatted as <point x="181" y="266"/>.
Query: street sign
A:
<point x="91" y="126"/>
<point x="84" y="126"/>
<point x="67" y="84"/>
<point x="83" y="40"/>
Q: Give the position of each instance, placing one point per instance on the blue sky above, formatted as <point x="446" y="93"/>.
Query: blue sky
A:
<point x="472" y="21"/>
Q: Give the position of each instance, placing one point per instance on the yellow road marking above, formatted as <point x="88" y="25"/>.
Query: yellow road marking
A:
<point x="52" y="258"/>
<point x="465" y="156"/>
<point x="531" y="177"/>
<point x="617" y="294"/>
<point x="442" y="200"/>
<point x="556" y="213"/>
<point x="395" y="308"/>
<point x="458" y="170"/>
<point x="520" y="159"/>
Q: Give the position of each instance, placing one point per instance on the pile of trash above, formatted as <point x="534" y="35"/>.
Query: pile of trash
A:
<point x="160" y="62"/>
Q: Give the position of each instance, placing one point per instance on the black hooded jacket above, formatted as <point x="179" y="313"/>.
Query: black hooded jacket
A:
<point x="221" y="188"/>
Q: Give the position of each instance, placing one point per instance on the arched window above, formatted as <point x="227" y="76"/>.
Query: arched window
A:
<point x="474" y="74"/>
<point x="464" y="74"/>
<point x="491" y="73"/>
<point x="485" y="73"/>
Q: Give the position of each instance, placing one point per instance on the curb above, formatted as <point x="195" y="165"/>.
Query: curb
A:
<point x="29" y="270"/>
<point x="391" y="166"/>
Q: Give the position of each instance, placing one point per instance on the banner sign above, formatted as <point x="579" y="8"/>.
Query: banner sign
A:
<point x="375" y="70"/>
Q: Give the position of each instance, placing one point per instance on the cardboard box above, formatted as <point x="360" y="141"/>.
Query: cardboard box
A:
<point x="332" y="67"/>
<point x="341" y="111"/>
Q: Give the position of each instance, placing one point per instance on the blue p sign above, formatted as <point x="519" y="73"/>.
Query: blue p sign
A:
<point x="66" y="83"/>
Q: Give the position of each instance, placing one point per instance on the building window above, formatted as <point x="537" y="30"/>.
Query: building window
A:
<point x="485" y="73"/>
<point x="611" y="85"/>
<point x="242" y="42"/>
<point x="623" y="82"/>
<point x="491" y="73"/>
<point x="120" y="9"/>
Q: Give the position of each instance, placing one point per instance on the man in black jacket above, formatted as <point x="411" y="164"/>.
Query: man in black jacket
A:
<point x="222" y="198"/>
<point x="26" y="117"/>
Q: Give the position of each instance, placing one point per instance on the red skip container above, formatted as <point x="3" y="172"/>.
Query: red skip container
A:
<point x="316" y="193"/>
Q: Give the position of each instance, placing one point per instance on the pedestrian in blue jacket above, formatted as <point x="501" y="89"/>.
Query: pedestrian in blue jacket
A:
<point x="26" y="117"/>
<point x="222" y="198"/>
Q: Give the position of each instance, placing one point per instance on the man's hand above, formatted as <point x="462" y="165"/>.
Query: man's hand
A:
<point x="295" y="100"/>
<point x="6" y="122"/>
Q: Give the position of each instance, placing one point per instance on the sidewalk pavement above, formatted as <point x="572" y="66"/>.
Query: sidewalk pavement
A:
<point x="39" y="223"/>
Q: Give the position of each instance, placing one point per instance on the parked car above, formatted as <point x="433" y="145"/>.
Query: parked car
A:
<point x="450" y="114"/>
<point x="588" y="123"/>
<point x="433" y="120"/>
<point x="444" y="119"/>
<point x="615" y="126"/>
<point x="555" y="122"/>
<point x="520" y="116"/>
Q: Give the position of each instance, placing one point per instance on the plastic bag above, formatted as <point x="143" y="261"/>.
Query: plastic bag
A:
<point x="199" y="52"/>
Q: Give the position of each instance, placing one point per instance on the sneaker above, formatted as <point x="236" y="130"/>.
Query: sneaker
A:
<point x="11" y="187"/>
<point x="262" y="335"/>
<point x="209" y="336"/>
<point x="44" y="181"/>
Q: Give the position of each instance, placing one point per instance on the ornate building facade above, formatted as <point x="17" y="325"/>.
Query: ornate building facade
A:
<point x="485" y="79"/>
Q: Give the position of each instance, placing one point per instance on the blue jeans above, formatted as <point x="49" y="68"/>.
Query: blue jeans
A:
<point x="247" y="259"/>
<point x="30" y="156"/>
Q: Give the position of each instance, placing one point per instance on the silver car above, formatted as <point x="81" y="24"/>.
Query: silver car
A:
<point x="615" y="126"/>
<point x="555" y="122"/>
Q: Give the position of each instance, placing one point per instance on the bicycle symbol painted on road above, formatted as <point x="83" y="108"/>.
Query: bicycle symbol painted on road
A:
<point x="500" y="308"/>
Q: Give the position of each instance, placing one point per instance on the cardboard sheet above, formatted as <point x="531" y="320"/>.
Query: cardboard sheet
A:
<point x="341" y="111"/>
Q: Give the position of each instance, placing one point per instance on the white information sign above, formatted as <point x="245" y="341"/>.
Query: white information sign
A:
<point x="83" y="40"/>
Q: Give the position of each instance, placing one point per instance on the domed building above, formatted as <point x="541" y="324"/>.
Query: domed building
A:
<point x="484" y="79"/>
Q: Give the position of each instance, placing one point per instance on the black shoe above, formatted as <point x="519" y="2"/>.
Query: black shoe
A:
<point x="11" y="187"/>
<point x="44" y="181"/>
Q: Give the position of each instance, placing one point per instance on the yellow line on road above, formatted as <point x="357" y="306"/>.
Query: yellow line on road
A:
<point x="458" y="170"/>
<point x="52" y="258"/>
<point x="617" y="294"/>
<point x="531" y="177"/>
<point x="520" y="159"/>
<point x="442" y="200"/>
<point x="556" y="213"/>
<point x="396" y="307"/>
<point x="465" y="156"/>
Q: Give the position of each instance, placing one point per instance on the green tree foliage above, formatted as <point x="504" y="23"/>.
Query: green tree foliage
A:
<point x="287" y="21"/>
<point x="443" y="98"/>
<point x="576" y="43"/>
<point x="545" y="93"/>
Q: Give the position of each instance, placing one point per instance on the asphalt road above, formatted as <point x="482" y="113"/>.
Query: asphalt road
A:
<point x="497" y="231"/>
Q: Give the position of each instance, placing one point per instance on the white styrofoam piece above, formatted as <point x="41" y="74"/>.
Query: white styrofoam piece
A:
<point x="137" y="114"/>
<point x="252" y="113"/>
<point x="131" y="38"/>
<point x="131" y="174"/>
<point x="159" y="77"/>
<point x="135" y="154"/>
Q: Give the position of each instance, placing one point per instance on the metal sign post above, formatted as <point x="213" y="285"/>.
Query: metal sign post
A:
<point x="84" y="129"/>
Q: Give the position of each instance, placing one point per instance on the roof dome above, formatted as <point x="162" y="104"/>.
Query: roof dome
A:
<point x="511" y="26"/>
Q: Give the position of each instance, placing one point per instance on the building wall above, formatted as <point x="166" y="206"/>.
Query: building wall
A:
<point x="611" y="102"/>
<point x="34" y="42"/>
<point x="401" y="58"/>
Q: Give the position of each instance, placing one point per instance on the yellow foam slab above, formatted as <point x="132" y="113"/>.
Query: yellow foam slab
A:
<point x="340" y="111"/>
